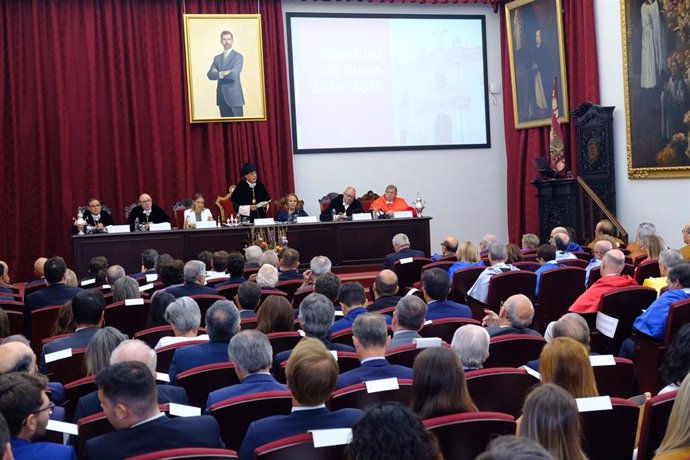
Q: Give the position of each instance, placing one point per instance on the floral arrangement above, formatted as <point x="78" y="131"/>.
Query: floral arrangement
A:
<point x="273" y="238"/>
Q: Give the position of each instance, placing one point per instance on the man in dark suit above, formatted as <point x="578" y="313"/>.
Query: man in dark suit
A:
<point x="289" y="264"/>
<point x="328" y="285"/>
<point x="226" y="69"/>
<point x="514" y="317"/>
<point x="194" y="280"/>
<point x="56" y="293"/>
<point x="222" y="322"/>
<point x="311" y="375"/>
<point x="569" y="325"/>
<point x="435" y="287"/>
<point x="247" y="298"/>
<point x="146" y="212"/>
<point x="316" y="313"/>
<point x="251" y="352"/>
<point x="132" y="350"/>
<point x="385" y="288"/>
<point x="88" y="307"/>
<point x="351" y="297"/>
<point x="344" y="204"/>
<point x="235" y="268"/>
<point x="148" y="264"/>
<point x="408" y="320"/>
<point x="127" y="392"/>
<point x="26" y="408"/>
<point x="370" y="337"/>
<point x="471" y="344"/>
<point x="401" y="245"/>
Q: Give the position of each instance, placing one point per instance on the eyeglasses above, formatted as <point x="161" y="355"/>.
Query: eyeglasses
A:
<point x="49" y="408"/>
<point x="146" y="201"/>
<point x="686" y="230"/>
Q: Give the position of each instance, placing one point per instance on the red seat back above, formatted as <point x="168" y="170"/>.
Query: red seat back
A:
<point x="74" y="391"/>
<point x="152" y="335"/>
<point x="610" y="433"/>
<point x="347" y="360"/>
<point x="500" y="389"/>
<point x="128" y="319"/>
<point x="405" y="355"/>
<point x="513" y="350"/>
<point x="198" y="382"/>
<point x="503" y="285"/>
<point x="558" y="289"/>
<point x="647" y="268"/>
<point x="281" y="341"/>
<point x="356" y="396"/>
<point x="445" y="327"/>
<point x="300" y="294"/>
<point x="299" y="446"/>
<point x="16" y="320"/>
<point x="188" y="453"/>
<point x="165" y="354"/>
<point x="654" y="421"/>
<point x="442" y="264"/>
<point x="343" y="336"/>
<point x="289" y="287"/>
<point x="527" y="265"/>
<point x="410" y="272"/>
<point x="40" y="326"/>
<point x="579" y="263"/>
<point x="617" y="380"/>
<point x="68" y="369"/>
<point x="229" y="291"/>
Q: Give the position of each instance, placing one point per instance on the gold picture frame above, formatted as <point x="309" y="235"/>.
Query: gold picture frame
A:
<point x="537" y="55"/>
<point x="224" y="86"/>
<point x="656" y="76"/>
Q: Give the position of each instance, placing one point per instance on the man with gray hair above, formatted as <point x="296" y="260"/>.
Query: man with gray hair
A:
<point x="401" y="246"/>
<point x="194" y="281"/>
<point x="569" y="325"/>
<point x="184" y="316"/>
<point x="497" y="258"/>
<point x="667" y="259"/>
<point x="114" y="273"/>
<point x="685" y="250"/>
<point x="252" y="354"/>
<point x="471" y="344"/>
<point x="267" y="277"/>
<point x="408" y="320"/>
<point x="222" y="323"/>
<point x="132" y="350"/>
<point x="515" y="317"/>
<point x="370" y="336"/>
<point x="486" y="241"/>
<point x="253" y="256"/>
<point x="270" y="258"/>
<point x="344" y="204"/>
<point x="389" y="203"/>
<point x="317" y="267"/>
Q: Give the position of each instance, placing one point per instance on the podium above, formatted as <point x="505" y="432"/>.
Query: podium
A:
<point x="559" y="205"/>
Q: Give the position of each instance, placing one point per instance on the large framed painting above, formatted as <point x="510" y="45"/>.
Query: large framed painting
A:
<point x="656" y="71"/>
<point x="225" y="70"/>
<point x="537" y="59"/>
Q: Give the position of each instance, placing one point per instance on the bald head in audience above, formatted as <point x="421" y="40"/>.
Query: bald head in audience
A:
<point x="517" y="311"/>
<point x="569" y="325"/>
<point x="612" y="263"/>
<point x="38" y="266"/>
<point x="601" y="247"/>
<point x="486" y="241"/>
<point x="386" y="284"/>
<point x="135" y="350"/>
<point x="17" y="357"/>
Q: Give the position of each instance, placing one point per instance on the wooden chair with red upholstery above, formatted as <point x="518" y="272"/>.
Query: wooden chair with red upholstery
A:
<point x="646" y="269"/>
<point x="198" y="382"/>
<point x="325" y="201"/>
<point x="289" y="287"/>
<point x="153" y="334"/>
<point x="579" y="263"/>
<point x="67" y="369"/>
<point x="281" y="341"/>
<point x="504" y="285"/>
<point x="75" y="390"/>
<point x="465" y="436"/>
<point x="236" y="414"/>
<point x="299" y="446"/>
<point x="610" y="433"/>
<point x="463" y="280"/>
<point x="225" y="206"/>
<point x="558" y="289"/>
<point x="445" y="327"/>
<point x="513" y="350"/>
<point x="188" y="453"/>
<point x="500" y="389"/>
<point x="657" y="411"/>
<point x="128" y="316"/>
<point x="178" y="211"/>
<point x="40" y="325"/>
<point x="358" y="397"/>
<point x="229" y="291"/>
<point x="343" y="336"/>
<point x="367" y="199"/>
<point x="16" y="320"/>
<point x="205" y="301"/>
<point x="531" y="266"/>
<point x="300" y="294"/>
<point x="165" y="354"/>
<point x="405" y="355"/>
<point x="625" y="304"/>
<point x="618" y="380"/>
<point x="409" y="270"/>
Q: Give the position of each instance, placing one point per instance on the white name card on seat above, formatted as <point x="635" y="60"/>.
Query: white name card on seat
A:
<point x="532" y="372"/>
<point x="63" y="427"/>
<point x="206" y="224"/>
<point x="428" y="342"/>
<point x="374" y="386"/>
<point x="161" y="377"/>
<point x="145" y="287"/>
<point x="306" y="219"/>
<point x="361" y="216"/>
<point x="594" y="404"/>
<point x="88" y="281"/>
<point x="158" y="227"/>
<point x="301" y="332"/>
<point x="265" y="221"/>
<point x="427" y="322"/>
<point x="151" y="277"/>
<point x="334" y="353"/>
<point x="182" y="410"/>
<point x="331" y="437"/>
<point x="606" y="324"/>
<point x="339" y="313"/>
<point x="402" y="214"/>
<point x="118" y="228"/>
<point x="406" y="260"/>
<point x="129" y="302"/>
<point x="62" y="354"/>
<point x="106" y="286"/>
<point x="602" y="360"/>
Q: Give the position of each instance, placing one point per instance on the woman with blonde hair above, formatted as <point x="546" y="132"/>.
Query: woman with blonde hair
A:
<point x="653" y="246"/>
<point x="291" y="210"/>
<point x="676" y="442"/>
<point x="468" y="256"/>
<point x="197" y="213"/>
<point x="565" y="362"/>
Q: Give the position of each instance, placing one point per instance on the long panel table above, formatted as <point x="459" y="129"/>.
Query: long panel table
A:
<point x="346" y="243"/>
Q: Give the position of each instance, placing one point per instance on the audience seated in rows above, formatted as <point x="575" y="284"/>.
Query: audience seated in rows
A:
<point x="514" y="317"/>
<point x="17" y="356"/>
<point x="311" y="377"/>
<point x="570" y="325"/>
<point x="644" y="231"/>
<point x="653" y="246"/>
<point x="148" y="263"/>
<point x="497" y="258"/>
<point x="402" y="250"/>
<point x="436" y="287"/>
<point x="56" y="293"/>
<point x="408" y="320"/>
<point x="385" y="288"/>
<point x="468" y="256"/>
<point x="194" y="280"/>
<point x="269" y="258"/>
<point x="114" y="273"/>
<point x="565" y="362"/>
<point x="471" y="344"/>
<point x="352" y="299"/>
<point x="667" y="259"/>
<point x="449" y="246"/>
<point x="561" y="242"/>
<point x="39" y="274"/>
<point x="572" y="245"/>
<point x="184" y="317"/>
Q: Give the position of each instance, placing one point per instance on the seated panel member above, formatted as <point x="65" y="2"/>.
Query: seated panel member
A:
<point x="344" y="204"/>
<point x="96" y="217"/>
<point x="291" y="210"/>
<point x="128" y="395"/>
<point x="146" y="212"/>
<point x="389" y="203"/>
<point x="197" y="213"/>
<point x="250" y="192"/>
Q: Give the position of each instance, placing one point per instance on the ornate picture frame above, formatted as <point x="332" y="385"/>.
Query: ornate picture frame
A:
<point x="537" y="55"/>
<point x="656" y="74"/>
<point x="225" y="70"/>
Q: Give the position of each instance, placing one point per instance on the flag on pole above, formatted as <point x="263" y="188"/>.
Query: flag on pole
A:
<point x="556" y="153"/>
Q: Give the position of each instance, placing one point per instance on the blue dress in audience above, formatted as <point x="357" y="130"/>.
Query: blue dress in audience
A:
<point x="462" y="264"/>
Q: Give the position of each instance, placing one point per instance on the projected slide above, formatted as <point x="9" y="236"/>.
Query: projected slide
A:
<point x="387" y="82"/>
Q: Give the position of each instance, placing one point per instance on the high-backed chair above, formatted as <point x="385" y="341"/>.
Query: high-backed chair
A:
<point x="128" y="319"/>
<point x="165" y="354"/>
<point x="40" y="325"/>
<point x="647" y="268"/>
<point x="442" y="264"/>
<point x="504" y="285"/>
<point x="198" y="382"/>
<point x="74" y="391"/>
<point x="297" y="447"/>
<point x="281" y="341"/>
<point x="582" y="255"/>
<point x="610" y="433"/>
<point x="279" y="204"/>
<point x="248" y="323"/>
<point x="513" y="350"/>
<point x="558" y="289"/>
<point x="445" y="327"/>
<point x="265" y="293"/>
<point x="406" y="354"/>
<point x="654" y="421"/>
<point x="618" y="380"/>
<point x="69" y="369"/>
<point x="500" y="389"/>
<point x="153" y="334"/>
<point x="356" y="396"/>
<point x="225" y="206"/>
<point x="90" y="427"/>
<point x="236" y="414"/>
<point x="325" y="201"/>
<point x="465" y="436"/>
<point x="205" y="301"/>
<point x="410" y="272"/>
<point x="367" y="199"/>
<point x="188" y="453"/>
<point x="178" y="211"/>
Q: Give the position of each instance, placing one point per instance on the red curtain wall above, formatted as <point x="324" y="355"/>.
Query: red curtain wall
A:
<point x="95" y="103"/>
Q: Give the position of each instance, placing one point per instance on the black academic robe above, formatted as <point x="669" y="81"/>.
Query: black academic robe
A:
<point x="157" y="216"/>
<point x="243" y="195"/>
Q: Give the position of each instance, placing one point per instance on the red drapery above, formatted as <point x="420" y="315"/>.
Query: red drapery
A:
<point x="523" y="146"/>
<point x="95" y="104"/>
